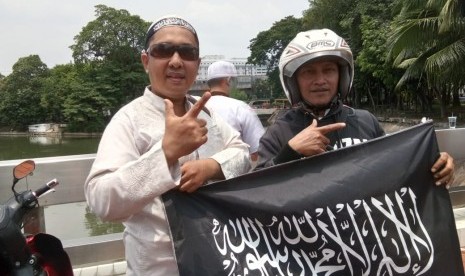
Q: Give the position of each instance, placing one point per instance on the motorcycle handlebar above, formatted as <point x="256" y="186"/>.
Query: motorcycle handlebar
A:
<point x="25" y="257"/>
<point x="30" y="197"/>
<point x="45" y="188"/>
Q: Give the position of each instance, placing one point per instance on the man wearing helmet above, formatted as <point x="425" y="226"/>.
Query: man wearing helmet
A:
<point x="316" y="72"/>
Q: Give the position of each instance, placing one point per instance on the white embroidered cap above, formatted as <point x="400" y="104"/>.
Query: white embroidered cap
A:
<point x="166" y="21"/>
<point x="221" y="69"/>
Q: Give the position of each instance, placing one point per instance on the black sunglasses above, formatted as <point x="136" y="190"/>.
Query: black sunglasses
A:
<point x="166" y="50"/>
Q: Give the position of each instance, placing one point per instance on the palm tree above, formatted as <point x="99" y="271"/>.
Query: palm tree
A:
<point x="428" y="41"/>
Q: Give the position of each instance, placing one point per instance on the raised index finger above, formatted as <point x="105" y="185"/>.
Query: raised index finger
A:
<point x="331" y="127"/>
<point x="199" y="105"/>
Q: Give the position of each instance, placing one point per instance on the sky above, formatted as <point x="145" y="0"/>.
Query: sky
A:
<point x="47" y="27"/>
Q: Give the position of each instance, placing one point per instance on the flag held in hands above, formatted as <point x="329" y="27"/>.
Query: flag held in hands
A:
<point x="369" y="209"/>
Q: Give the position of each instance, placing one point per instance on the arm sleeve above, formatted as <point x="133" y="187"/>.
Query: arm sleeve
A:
<point x="274" y="148"/>
<point x="374" y="124"/>
<point x="122" y="181"/>
<point x="252" y="128"/>
<point x="379" y="130"/>
<point x="234" y="159"/>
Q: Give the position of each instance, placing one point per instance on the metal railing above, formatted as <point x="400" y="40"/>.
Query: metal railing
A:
<point x="453" y="142"/>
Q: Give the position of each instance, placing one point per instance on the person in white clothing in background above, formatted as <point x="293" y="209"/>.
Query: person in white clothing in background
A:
<point x="222" y="77"/>
<point x="160" y="141"/>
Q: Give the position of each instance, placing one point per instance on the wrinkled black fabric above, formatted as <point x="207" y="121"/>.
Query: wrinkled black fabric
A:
<point x="369" y="209"/>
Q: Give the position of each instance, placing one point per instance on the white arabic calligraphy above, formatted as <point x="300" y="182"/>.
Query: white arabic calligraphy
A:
<point x="360" y="238"/>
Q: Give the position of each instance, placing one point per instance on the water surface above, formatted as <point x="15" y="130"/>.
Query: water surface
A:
<point x="23" y="147"/>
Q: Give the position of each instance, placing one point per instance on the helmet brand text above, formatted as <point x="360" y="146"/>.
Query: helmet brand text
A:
<point x="320" y="43"/>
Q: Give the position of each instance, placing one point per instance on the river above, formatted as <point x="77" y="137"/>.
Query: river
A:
<point x="82" y="223"/>
<point x="23" y="146"/>
<point x="14" y="147"/>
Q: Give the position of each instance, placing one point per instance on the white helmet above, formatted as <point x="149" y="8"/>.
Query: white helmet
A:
<point x="311" y="45"/>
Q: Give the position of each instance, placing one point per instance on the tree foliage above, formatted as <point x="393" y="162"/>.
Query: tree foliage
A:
<point x="111" y="45"/>
<point x="417" y="46"/>
<point x="428" y="41"/>
<point x="261" y="89"/>
<point x="367" y="25"/>
<point x="238" y="95"/>
<point x="107" y="56"/>
<point x="59" y="84"/>
<point x="106" y="74"/>
<point x="268" y="46"/>
<point x="332" y="14"/>
<point x="113" y="35"/>
<point x="21" y="93"/>
<point x="84" y="109"/>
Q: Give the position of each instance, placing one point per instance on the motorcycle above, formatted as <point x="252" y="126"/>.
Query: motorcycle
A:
<point x="26" y="254"/>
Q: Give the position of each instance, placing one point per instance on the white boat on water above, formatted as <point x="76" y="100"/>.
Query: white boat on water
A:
<point x="44" y="129"/>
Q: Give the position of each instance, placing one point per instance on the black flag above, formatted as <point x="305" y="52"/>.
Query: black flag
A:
<point x="368" y="209"/>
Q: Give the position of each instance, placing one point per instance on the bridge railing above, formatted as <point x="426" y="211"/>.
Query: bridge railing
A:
<point x="71" y="172"/>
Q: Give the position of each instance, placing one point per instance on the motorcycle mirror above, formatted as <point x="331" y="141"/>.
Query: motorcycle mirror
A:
<point x="23" y="169"/>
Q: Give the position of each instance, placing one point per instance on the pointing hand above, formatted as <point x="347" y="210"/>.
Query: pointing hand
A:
<point x="312" y="140"/>
<point x="184" y="134"/>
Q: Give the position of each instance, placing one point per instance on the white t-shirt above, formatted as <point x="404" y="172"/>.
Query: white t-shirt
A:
<point x="241" y="117"/>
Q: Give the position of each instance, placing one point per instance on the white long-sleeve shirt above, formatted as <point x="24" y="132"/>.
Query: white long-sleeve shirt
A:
<point x="241" y="117"/>
<point x="130" y="173"/>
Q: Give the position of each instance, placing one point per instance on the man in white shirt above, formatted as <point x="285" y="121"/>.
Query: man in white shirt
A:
<point x="160" y="141"/>
<point x="221" y="79"/>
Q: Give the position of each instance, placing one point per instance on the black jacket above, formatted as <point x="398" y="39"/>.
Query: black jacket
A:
<point x="274" y="149"/>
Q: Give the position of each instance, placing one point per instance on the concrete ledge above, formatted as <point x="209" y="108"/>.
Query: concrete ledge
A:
<point x="113" y="269"/>
<point x="95" y="251"/>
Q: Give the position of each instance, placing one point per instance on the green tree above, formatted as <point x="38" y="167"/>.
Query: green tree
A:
<point x="428" y="41"/>
<point x="329" y="14"/>
<point x="21" y="93"/>
<point x="375" y="77"/>
<point x="262" y="89"/>
<point x="238" y="94"/>
<point x="61" y="82"/>
<point x="267" y="47"/>
<point x="2" y="83"/>
<point x="110" y="47"/>
<point x="114" y="34"/>
<point x="84" y="110"/>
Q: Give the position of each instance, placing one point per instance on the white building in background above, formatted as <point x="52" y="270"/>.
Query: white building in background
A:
<point x="242" y="67"/>
<point x="247" y="73"/>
